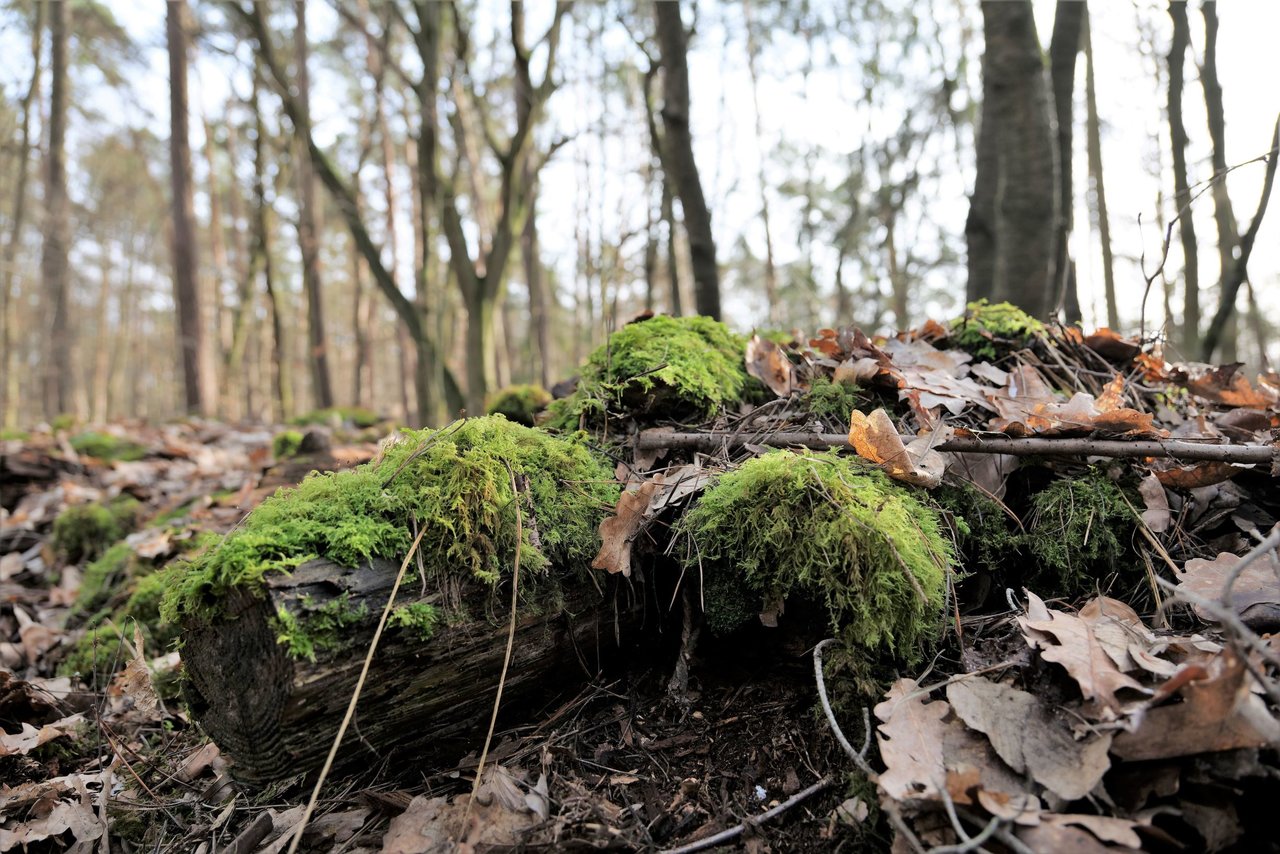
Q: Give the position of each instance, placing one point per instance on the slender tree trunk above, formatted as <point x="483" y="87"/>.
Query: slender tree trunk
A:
<point x="308" y="231"/>
<point x="1016" y="113"/>
<point x="17" y="220"/>
<point x="1064" y="46"/>
<point x="54" y="259"/>
<point x="1182" y="193"/>
<point x="667" y="206"/>
<point x="261" y="263"/>
<point x="539" y="305"/>
<point x="1223" y="215"/>
<point x="100" y="370"/>
<point x="684" y="173"/>
<point x="235" y="378"/>
<point x="196" y="367"/>
<point x="980" y="225"/>
<point x="770" y="269"/>
<point x="225" y="319"/>
<point x="1098" y="190"/>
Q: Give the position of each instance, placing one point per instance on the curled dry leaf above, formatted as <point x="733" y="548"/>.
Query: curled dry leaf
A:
<point x="876" y="439"/>
<point x="768" y="362"/>
<point x="1255" y="595"/>
<point x="1157" y="516"/>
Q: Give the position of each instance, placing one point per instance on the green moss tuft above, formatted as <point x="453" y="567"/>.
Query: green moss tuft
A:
<point x="85" y="531"/>
<point x="317" y="628"/>
<point x="833" y="401"/>
<point x="99" y="652"/>
<point x="420" y="618"/>
<point x="1077" y="531"/>
<point x="675" y="366"/>
<point x="339" y="416"/>
<point x="455" y="482"/>
<point x="519" y="403"/>
<point x="286" y="444"/>
<point x="825" y="527"/>
<point x="986" y="536"/>
<point x="8" y="435"/>
<point x="984" y="325"/>
<point x="104" y="446"/>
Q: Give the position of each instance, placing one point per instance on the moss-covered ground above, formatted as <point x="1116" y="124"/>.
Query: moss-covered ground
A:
<point x="86" y="531"/>
<point x="285" y="444"/>
<point x="456" y="482"/>
<point x="104" y="446"/>
<point x="519" y="403"/>
<point x="827" y="528"/>
<point x="985" y="328"/>
<point x="1079" y="531"/>
<point x="675" y="367"/>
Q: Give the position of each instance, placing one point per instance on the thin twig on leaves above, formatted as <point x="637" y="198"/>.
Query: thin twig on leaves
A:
<point x="736" y="831"/>
<point x="859" y="757"/>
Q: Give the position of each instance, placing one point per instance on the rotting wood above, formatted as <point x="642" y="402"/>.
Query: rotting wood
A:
<point x="275" y="715"/>
<point x="1178" y="449"/>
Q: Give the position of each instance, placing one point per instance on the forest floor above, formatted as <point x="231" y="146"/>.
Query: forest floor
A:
<point x="1133" y="707"/>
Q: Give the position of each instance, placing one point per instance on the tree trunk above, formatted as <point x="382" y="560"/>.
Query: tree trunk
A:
<point x="684" y="169"/>
<point x="1064" y="46"/>
<point x="17" y="220"/>
<point x="235" y="380"/>
<point x="1016" y="138"/>
<point x="261" y="261"/>
<point x="196" y="369"/>
<point x="1223" y="215"/>
<point x="224" y="323"/>
<point x="1098" y="190"/>
<point x="1182" y="193"/>
<point x="770" y="269"/>
<point x="276" y="716"/>
<point x="54" y="267"/>
<point x="668" y="215"/>
<point x="308" y="232"/>
<point x="539" y="305"/>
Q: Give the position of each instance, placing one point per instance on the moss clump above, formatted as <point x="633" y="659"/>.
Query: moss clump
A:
<point x="833" y="401"/>
<point x="286" y="444"/>
<point x="984" y="325"/>
<point x="674" y="366"/>
<point x="984" y="532"/>
<point x="105" y="576"/>
<point x="100" y="652"/>
<point x="7" y="435"/>
<point x="455" y="482"/>
<point x="519" y="403"/>
<point x="319" y="627"/>
<point x="85" y="531"/>
<point x="106" y="447"/>
<point x="420" y="618"/>
<point x="339" y="416"/>
<point x="827" y="528"/>
<point x="1075" y="531"/>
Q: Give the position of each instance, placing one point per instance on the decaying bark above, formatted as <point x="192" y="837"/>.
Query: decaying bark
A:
<point x="275" y="716"/>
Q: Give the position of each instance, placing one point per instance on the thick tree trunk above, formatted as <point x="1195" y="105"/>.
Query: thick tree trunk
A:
<point x="276" y="716"/>
<point x="1016" y="139"/>
<point x="667" y="207"/>
<point x="684" y="168"/>
<point x="54" y="268"/>
<point x="1182" y="193"/>
<point x="1097" y="186"/>
<point x="308" y="231"/>
<point x="17" y="221"/>
<point x="1064" y="46"/>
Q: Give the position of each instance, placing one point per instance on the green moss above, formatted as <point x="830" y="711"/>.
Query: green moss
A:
<point x="338" y="416"/>
<point x="99" y="652"/>
<point x="317" y="628"/>
<point x="833" y="401"/>
<point x="827" y="528"/>
<point x="1077" y="530"/>
<point x="987" y="538"/>
<point x="65" y="421"/>
<point x="420" y="618"/>
<point x="104" y="576"/>
<point x="673" y="366"/>
<point x="85" y="531"/>
<point x="455" y="482"/>
<point x="286" y="444"/>
<point x="983" y="326"/>
<point x="8" y="435"/>
<point x="519" y="403"/>
<point x="104" y="446"/>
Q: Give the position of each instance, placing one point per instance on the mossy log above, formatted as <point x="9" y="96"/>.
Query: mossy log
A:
<point x="427" y="699"/>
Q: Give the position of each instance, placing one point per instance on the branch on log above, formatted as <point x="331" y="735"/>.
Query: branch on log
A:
<point x="275" y="715"/>
<point x="651" y="440"/>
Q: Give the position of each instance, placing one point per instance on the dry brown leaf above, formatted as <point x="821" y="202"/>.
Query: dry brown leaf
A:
<point x="1029" y="738"/>
<point x="1193" y="475"/>
<point x="1156" y="516"/>
<point x="876" y="439"/>
<point x="1217" y="713"/>
<point x="1225" y="385"/>
<point x="1078" y="651"/>
<point x="22" y="743"/>
<point x="617" y="531"/>
<point x="768" y="362"/>
<point x="1255" y="595"/>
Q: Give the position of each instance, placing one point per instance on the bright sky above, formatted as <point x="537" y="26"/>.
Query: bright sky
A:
<point x="1130" y="104"/>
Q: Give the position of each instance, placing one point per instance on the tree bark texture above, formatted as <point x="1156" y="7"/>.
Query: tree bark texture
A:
<point x="1097" y="185"/>
<point x="684" y="168"/>
<point x="54" y="267"/>
<point x="1016" y="139"/>
<point x="276" y="716"/>
<point x="1064" y="46"/>
<point x="1182" y="193"/>
<point x="308" y="230"/>
<point x="1223" y="215"/>
<point x="197" y="372"/>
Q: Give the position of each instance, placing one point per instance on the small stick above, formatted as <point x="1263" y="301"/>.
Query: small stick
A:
<point x="736" y="831"/>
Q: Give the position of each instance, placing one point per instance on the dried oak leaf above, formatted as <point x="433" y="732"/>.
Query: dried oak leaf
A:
<point x="617" y="531"/>
<point x="1068" y="640"/>
<point x="1027" y="736"/>
<point x="1255" y="595"/>
<point x="876" y="439"/>
<point x="768" y="362"/>
<point x="1225" y="385"/>
<point x="1157" y="515"/>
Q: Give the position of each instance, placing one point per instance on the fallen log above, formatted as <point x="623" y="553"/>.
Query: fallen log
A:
<point x="1178" y="449"/>
<point x="274" y="714"/>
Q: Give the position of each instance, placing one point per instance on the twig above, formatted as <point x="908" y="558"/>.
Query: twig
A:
<point x="736" y="831"/>
<point x="1181" y="449"/>
<point x="859" y="757"/>
<point x="355" y="695"/>
<point x="511" y="639"/>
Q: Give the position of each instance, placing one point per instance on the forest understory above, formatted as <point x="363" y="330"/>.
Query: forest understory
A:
<point x="774" y="594"/>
